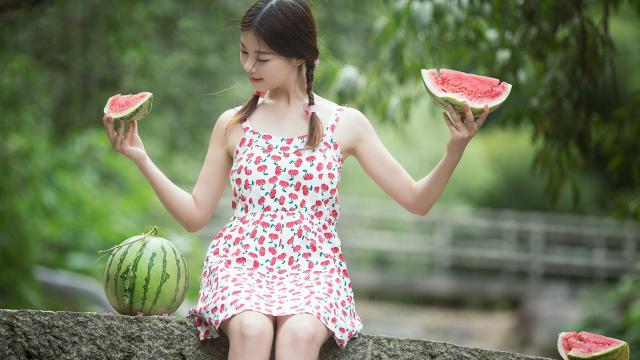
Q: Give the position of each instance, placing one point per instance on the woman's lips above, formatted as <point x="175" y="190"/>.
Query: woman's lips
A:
<point x="253" y="80"/>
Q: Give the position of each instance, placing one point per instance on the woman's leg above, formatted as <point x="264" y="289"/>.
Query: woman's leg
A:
<point x="250" y="335"/>
<point x="300" y="336"/>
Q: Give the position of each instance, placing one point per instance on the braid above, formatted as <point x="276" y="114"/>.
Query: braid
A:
<point x="315" y="125"/>
<point x="247" y="109"/>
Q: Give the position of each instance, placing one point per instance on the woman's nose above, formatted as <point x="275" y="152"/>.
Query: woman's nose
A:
<point x="249" y="66"/>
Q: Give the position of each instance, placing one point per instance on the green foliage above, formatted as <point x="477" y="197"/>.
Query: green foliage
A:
<point x="560" y="57"/>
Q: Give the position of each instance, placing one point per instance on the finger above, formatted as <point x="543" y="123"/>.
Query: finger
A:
<point x="483" y="117"/>
<point x="130" y="133"/>
<point x="110" y="132"/>
<point x="468" y="114"/>
<point x="121" y="134"/>
<point x="453" y="114"/>
<point x="447" y="121"/>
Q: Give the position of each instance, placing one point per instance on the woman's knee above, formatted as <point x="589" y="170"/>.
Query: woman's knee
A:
<point x="249" y="326"/>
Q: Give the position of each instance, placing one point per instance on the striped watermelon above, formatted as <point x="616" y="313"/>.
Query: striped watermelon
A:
<point x="146" y="275"/>
<point x="129" y="107"/>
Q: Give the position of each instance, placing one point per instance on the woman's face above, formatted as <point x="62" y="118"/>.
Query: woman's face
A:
<point x="266" y="69"/>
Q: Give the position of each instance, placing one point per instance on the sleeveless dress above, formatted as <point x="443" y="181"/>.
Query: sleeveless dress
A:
<point x="279" y="253"/>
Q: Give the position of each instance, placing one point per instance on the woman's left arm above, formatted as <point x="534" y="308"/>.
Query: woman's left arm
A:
<point x="430" y="187"/>
<point x="386" y="171"/>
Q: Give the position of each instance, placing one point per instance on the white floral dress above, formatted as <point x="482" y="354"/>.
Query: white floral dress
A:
<point x="279" y="253"/>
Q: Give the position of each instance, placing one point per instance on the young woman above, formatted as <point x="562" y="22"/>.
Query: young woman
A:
<point x="276" y="269"/>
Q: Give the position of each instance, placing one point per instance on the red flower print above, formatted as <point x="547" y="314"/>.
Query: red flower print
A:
<point x="284" y="183"/>
<point x="298" y="163"/>
<point x="278" y="170"/>
<point x="273" y="261"/>
<point x="293" y="196"/>
<point x="293" y="172"/>
<point x="296" y="248"/>
<point x="273" y="250"/>
<point x="253" y="255"/>
<point x="255" y="264"/>
<point x="307" y="176"/>
<point x="272" y="180"/>
<point x="282" y="256"/>
<point x="335" y="249"/>
<point x="282" y="199"/>
<point x="319" y="214"/>
<point x="320" y="166"/>
<point x="310" y="264"/>
<point x="262" y="168"/>
<point x="306" y="255"/>
<point x="275" y="157"/>
<point x="262" y="251"/>
<point x="311" y="158"/>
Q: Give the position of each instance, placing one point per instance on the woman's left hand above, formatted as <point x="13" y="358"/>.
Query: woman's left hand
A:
<point x="462" y="130"/>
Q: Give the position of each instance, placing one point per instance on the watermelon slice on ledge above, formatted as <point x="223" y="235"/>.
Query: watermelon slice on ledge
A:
<point x="457" y="87"/>
<point x="586" y="345"/>
<point x="129" y="107"/>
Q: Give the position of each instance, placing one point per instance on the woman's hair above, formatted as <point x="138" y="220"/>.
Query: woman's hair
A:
<point x="289" y="29"/>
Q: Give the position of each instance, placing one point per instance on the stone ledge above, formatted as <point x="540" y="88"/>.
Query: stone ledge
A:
<point x="34" y="334"/>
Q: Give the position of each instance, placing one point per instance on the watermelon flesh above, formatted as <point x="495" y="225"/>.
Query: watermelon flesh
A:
<point x="129" y="107"/>
<point x="586" y="345"/>
<point x="452" y="87"/>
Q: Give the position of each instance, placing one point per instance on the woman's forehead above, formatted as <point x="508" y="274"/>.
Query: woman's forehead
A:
<point x="251" y="41"/>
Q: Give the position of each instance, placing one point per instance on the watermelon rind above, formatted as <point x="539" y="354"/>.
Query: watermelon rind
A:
<point x="457" y="101"/>
<point x="617" y="352"/>
<point x="136" y="112"/>
<point x="147" y="275"/>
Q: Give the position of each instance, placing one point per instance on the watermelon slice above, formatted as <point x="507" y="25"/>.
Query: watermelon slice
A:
<point x="457" y="87"/>
<point x="129" y="107"/>
<point x="586" y="345"/>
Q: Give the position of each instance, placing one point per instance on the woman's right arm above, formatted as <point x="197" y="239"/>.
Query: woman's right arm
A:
<point x="194" y="210"/>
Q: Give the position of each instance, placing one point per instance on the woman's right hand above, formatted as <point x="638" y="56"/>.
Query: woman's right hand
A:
<point x="130" y="145"/>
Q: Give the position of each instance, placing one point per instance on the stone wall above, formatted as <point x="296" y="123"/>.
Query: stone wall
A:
<point x="30" y="334"/>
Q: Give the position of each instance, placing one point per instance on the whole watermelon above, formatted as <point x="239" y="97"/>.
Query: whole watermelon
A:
<point x="146" y="275"/>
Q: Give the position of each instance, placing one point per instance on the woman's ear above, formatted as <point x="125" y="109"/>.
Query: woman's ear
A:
<point x="299" y="62"/>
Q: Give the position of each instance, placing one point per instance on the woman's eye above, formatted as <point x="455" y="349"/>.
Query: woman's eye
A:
<point x="263" y="61"/>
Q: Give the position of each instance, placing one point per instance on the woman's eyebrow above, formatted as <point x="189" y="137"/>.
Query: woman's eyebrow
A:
<point x="259" y="51"/>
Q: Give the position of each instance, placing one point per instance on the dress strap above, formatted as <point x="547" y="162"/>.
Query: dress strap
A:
<point x="333" y="121"/>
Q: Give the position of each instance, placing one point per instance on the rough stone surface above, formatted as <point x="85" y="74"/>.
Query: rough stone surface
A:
<point x="31" y="334"/>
